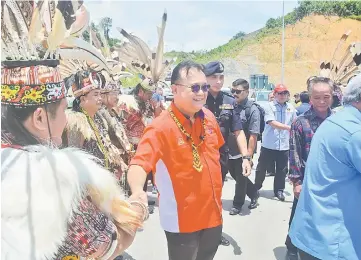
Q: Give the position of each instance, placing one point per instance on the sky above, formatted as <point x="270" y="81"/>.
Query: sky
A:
<point x="191" y="25"/>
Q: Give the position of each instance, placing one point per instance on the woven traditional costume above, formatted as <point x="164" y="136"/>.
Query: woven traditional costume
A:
<point x="56" y="204"/>
<point x="117" y="135"/>
<point x="91" y="134"/>
<point x="151" y="67"/>
<point x="113" y="120"/>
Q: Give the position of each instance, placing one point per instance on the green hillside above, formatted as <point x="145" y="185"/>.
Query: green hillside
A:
<point x="345" y="9"/>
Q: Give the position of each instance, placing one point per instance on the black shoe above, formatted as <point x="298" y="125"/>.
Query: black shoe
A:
<point x="280" y="195"/>
<point x="292" y="255"/>
<point x="150" y="209"/>
<point x="224" y="241"/>
<point x="254" y="201"/>
<point x="151" y="202"/>
<point x="234" y="211"/>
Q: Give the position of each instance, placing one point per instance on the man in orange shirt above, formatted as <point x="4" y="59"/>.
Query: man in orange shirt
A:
<point x="182" y="147"/>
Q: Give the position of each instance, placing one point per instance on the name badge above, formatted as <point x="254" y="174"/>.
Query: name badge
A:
<point x="226" y="106"/>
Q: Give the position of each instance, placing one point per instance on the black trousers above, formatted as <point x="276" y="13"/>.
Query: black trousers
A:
<point x="271" y="167"/>
<point x="243" y="184"/>
<point x="199" y="245"/>
<point x="288" y="243"/>
<point x="306" y="256"/>
<point x="264" y="160"/>
<point x="223" y="159"/>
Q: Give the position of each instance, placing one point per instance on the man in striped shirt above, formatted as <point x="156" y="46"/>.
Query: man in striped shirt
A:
<point x="302" y="130"/>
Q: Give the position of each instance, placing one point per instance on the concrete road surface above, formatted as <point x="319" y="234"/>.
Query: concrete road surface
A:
<point x="257" y="234"/>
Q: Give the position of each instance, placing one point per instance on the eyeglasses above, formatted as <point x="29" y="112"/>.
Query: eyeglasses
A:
<point x="196" y="87"/>
<point x="283" y="93"/>
<point x="237" y="91"/>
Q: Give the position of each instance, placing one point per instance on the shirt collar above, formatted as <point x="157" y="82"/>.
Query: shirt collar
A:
<point x="183" y="118"/>
<point x="312" y="114"/>
<point x="276" y="103"/>
<point x="354" y="111"/>
<point x="219" y="96"/>
<point x="243" y="103"/>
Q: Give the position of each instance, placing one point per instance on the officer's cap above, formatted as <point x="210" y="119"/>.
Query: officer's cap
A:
<point x="213" y="67"/>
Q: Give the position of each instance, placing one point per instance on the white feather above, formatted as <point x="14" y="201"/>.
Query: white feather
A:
<point x="40" y="188"/>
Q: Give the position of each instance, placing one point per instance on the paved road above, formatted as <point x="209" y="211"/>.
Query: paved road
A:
<point x="255" y="235"/>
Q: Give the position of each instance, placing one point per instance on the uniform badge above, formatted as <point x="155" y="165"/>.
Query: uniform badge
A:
<point x="180" y="141"/>
<point x="221" y="67"/>
<point x="209" y="131"/>
<point x="226" y="106"/>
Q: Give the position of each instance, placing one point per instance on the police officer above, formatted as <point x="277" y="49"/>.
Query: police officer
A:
<point x="251" y="119"/>
<point x="222" y="106"/>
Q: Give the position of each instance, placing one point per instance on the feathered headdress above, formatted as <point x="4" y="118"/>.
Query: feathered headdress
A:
<point x="139" y="59"/>
<point x="344" y="66"/>
<point x="97" y="69"/>
<point x="117" y="69"/>
<point x="35" y="36"/>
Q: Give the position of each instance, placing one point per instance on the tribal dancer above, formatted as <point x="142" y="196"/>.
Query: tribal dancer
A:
<point x="110" y="92"/>
<point x="55" y="204"/>
<point x="139" y="109"/>
<point x="116" y="130"/>
<point x="86" y="129"/>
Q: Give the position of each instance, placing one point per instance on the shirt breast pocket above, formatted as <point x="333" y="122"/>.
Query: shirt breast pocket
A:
<point x="212" y="140"/>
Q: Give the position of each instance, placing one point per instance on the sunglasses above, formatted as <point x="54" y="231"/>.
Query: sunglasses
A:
<point x="237" y="91"/>
<point x="197" y="87"/>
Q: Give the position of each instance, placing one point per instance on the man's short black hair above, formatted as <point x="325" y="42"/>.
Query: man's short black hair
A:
<point x="241" y="82"/>
<point x="184" y="65"/>
<point x="304" y="97"/>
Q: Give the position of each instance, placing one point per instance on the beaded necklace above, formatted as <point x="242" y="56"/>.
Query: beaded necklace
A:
<point x="99" y="140"/>
<point x="196" y="158"/>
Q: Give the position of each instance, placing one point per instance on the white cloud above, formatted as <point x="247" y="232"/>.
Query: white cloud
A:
<point x="191" y="25"/>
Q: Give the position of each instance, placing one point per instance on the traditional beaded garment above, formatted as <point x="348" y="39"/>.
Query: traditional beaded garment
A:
<point x="137" y="114"/>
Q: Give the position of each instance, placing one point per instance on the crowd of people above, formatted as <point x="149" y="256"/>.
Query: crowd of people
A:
<point x="74" y="181"/>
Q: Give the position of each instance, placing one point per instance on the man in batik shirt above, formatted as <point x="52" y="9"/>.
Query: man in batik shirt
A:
<point x="302" y="130"/>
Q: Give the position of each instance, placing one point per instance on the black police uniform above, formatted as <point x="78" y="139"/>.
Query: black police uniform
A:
<point x="223" y="108"/>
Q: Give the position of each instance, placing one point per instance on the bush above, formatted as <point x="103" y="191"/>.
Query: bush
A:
<point x="350" y="9"/>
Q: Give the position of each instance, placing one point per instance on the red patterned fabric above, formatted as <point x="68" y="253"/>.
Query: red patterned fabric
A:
<point x="136" y="119"/>
<point x="34" y="85"/>
<point x="89" y="229"/>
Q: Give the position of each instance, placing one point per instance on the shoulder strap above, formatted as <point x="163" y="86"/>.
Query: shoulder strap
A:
<point x="248" y="106"/>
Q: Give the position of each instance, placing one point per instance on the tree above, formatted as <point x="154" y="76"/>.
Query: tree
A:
<point x="107" y="24"/>
<point x="239" y="35"/>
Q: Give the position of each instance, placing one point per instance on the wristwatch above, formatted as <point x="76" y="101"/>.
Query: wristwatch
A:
<point x="247" y="157"/>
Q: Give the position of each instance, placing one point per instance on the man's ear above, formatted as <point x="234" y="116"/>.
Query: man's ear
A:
<point x="174" y="89"/>
<point x="39" y="119"/>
